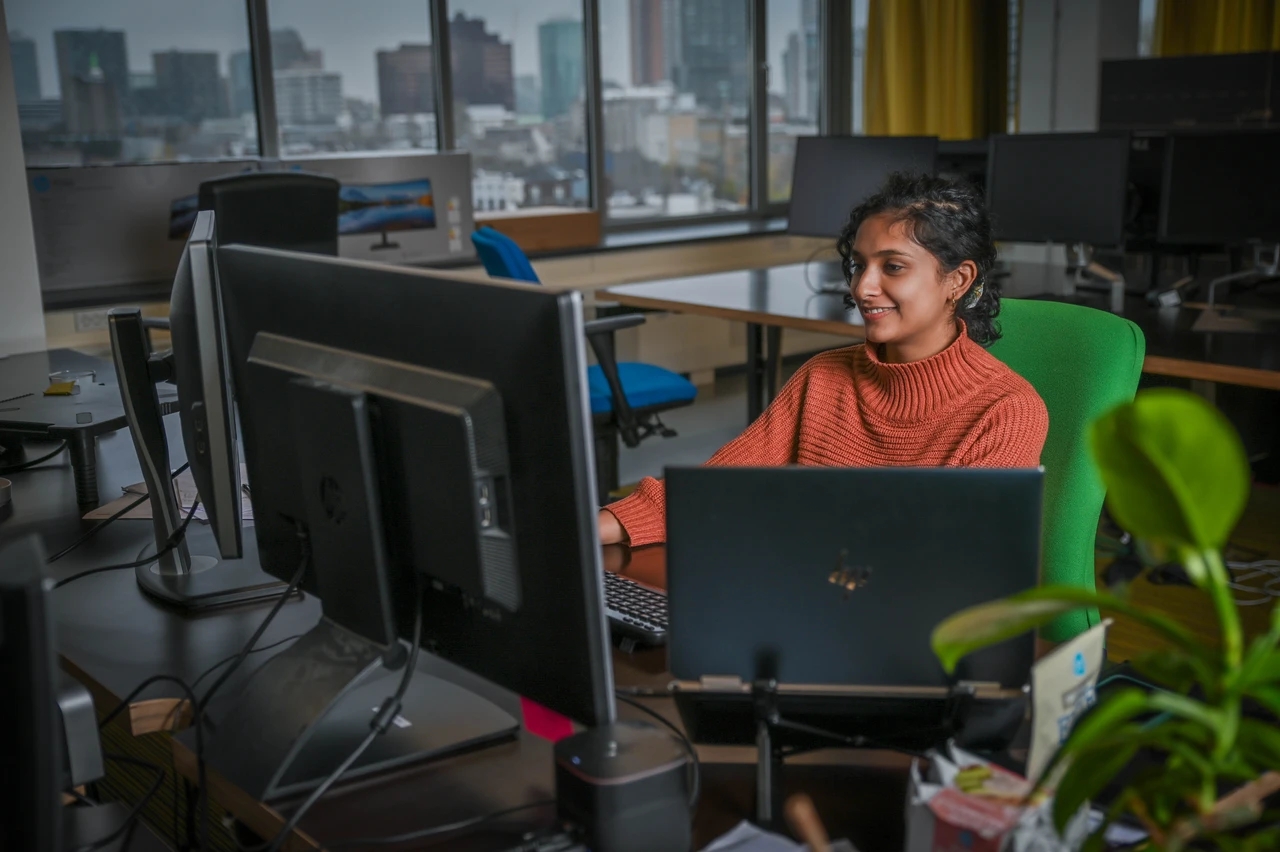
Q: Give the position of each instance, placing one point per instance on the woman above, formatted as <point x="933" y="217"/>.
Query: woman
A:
<point x="922" y="391"/>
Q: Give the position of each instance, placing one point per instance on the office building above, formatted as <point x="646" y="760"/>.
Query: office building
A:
<point x="91" y="108"/>
<point x="308" y="96"/>
<point x="240" y="83"/>
<point x="79" y="51"/>
<point x="528" y="94"/>
<point x="26" y="71"/>
<point x="289" y="52"/>
<point x="481" y="64"/>
<point x="714" y="52"/>
<point x="648" y="43"/>
<point x="406" y="80"/>
<point x="560" y="52"/>
<point x="189" y="85"/>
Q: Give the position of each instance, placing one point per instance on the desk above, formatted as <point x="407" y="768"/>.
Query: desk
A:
<point x="778" y="298"/>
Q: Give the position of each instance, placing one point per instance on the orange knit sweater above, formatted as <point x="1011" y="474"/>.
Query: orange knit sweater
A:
<point x="847" y="408"/>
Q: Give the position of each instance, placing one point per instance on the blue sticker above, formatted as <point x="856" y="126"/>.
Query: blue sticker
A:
<point x="40" y="183"/>
<point x="1077" y="665"/>
<point x="966" y="839"/>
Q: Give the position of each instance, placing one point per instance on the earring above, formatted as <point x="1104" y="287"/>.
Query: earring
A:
<point x="975" y="295"/>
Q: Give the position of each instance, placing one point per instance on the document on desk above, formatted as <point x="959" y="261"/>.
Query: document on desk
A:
<point x="185" y="490"/>
<point x="745" y="837"/>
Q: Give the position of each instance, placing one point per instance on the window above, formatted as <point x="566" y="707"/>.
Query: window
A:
<point x="861" y="10"/>
<point x="519" y="74"/>
<point x="1146" y="28"/>
<point x="352" y="76"/>
<point x="795" y="81"/>
<point x="677" y="96"/>
<point x="130" y="81"/>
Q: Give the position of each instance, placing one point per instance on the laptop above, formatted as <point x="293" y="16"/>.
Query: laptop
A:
<point x="834" y="578"/>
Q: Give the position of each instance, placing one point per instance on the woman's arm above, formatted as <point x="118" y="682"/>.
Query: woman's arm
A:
<point x="1012" y="434"/>
<point x="768" y="442"/>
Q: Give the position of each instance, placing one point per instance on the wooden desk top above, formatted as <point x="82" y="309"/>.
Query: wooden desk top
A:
<point x="778" y="296"/>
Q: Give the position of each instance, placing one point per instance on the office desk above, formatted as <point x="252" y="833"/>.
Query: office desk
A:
<point x="778" y="298"/>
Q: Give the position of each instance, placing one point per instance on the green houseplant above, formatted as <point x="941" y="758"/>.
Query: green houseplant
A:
<point x="1177" y="479"/>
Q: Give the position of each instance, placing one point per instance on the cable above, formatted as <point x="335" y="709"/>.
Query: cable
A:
<point x="695" y="767"/>
<point x="173" y="542"/>
<point x="213" y="668"/>
<point x="1243" y="572"/>
<point x="381" y="721"/>
<point x="819" y="289"/>
<point x="131" y="819"/>
<point x="437" y="830"/>
<point x="197" y="722"/>
<point x="96" y="528"/>
<point x="262" y="628"/>
<point x="4" y="471"/>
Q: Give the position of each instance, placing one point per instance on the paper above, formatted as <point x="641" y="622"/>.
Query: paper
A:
<point x="745" y="837"/>
<point x="1063" y="686"/>
<point x="185" y="490"/>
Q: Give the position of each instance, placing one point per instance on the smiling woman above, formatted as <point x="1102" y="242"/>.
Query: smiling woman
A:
<point x="922" y="391"/>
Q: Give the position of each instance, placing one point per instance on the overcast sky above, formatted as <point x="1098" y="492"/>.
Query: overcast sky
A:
<point x="348" y="31"/>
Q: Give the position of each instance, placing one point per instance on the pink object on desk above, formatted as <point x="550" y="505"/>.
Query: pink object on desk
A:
<point x="541" y="722"/>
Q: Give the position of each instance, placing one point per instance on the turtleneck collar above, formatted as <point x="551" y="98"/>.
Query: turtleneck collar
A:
<point x="918" y="390"/>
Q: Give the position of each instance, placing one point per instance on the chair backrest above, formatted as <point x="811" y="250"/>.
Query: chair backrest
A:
<point x="1082" y="362"/>
<point x="285" y="210"/>
<point x="501" y="256"/>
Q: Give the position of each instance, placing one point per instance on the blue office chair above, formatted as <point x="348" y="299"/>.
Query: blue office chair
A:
<point x="626" y="398"/>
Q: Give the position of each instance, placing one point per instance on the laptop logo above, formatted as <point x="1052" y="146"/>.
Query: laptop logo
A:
<point x="849" y="578"/>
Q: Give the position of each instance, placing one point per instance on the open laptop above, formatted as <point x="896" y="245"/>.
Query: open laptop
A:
<point x="823" y="578"/>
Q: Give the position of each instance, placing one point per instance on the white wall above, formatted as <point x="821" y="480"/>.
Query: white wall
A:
<point x="21" y="311"/>
<point x="1063" y="45"/>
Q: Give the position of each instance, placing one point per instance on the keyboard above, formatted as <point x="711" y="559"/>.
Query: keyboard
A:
<point x="635" y="612"/>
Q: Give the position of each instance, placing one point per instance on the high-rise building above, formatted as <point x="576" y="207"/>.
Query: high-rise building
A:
<point x="648" y="46"/>
<point x="812" y="67"/>
<point x="560" y="52"/>
<point x="406" y="80"/>
<point x="26" y="71"/>
<point x="240" y="83"/>
<point x="90" y="105"/>
<point x="308" y="96"/>
<point x="480" y="63"/>
<point x="792" y="76"/>
<point x="77" y="52"/>
<point x="714" y="52"/>
<point x="289" y="52"/>
<point x="189" y="85"/>
<point x="528" y="94"/>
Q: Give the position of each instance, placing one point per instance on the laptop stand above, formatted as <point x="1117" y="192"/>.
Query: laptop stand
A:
<point x="784" y="720"/>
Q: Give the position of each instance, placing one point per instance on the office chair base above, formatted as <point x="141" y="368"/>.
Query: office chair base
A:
<point x="213" y="582"/>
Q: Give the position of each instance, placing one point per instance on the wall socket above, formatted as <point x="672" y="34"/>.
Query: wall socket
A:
<point x="91" y="320"/>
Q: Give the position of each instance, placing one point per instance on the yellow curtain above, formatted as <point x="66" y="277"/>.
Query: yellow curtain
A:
<point x="1185" y="27"/>
<point x="936" y="67"/>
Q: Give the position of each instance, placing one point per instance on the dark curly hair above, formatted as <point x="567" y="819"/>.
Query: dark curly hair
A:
<point x="949" y="219"/>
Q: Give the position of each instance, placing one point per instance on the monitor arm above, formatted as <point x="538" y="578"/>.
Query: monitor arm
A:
<point x="138" y="371"/>
<point x="1085" y="265"/>
<point x="1263" y="268"/>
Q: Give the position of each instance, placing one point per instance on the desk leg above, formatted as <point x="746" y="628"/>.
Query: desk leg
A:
<point x="755" y="371"/>
<point x="773" y="363"/>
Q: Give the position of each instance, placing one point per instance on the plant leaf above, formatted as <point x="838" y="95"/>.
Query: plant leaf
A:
<point x="1174" y="670"/>
<point x="1089" y="772"/>
<point x="990" y="623"/>
<point x="1193" y="711"/>
<point x="1260" y="742"/>
<point x="1175" y="469"/>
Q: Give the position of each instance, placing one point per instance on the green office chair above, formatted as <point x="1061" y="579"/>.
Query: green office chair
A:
<point x="1082" y="362"/>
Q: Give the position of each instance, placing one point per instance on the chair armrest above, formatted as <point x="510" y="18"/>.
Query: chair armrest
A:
<point x="608" y="325"/>
<point x="156" y="322"/>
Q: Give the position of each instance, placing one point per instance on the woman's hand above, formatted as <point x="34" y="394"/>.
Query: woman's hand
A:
<point x="611" y="532"/>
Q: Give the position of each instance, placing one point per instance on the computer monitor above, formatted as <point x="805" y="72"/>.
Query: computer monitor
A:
<point x="833" y="174"/>
<point x="204" y="385"/>
<point x="1221" y="188"/>
<point x="379" y="208"/>
<point x="438" y="363"/>
<point x="1059" y="187"/>
<point x="31" y="745"/>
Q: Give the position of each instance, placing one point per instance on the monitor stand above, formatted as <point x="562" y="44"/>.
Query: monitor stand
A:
<point x="825" y="277"/>
<point x="1262" y="270"/>
<point x="190" y="575"/>
<point x="385" y="244"/>
<point x="305" y="710"/>
<point x="1107" y="280"/>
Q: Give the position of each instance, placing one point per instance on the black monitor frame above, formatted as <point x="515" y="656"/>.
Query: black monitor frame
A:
<point x="1268" y="235"/>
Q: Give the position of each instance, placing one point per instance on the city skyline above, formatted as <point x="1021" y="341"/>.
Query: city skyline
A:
<point x="349" y="41"/>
